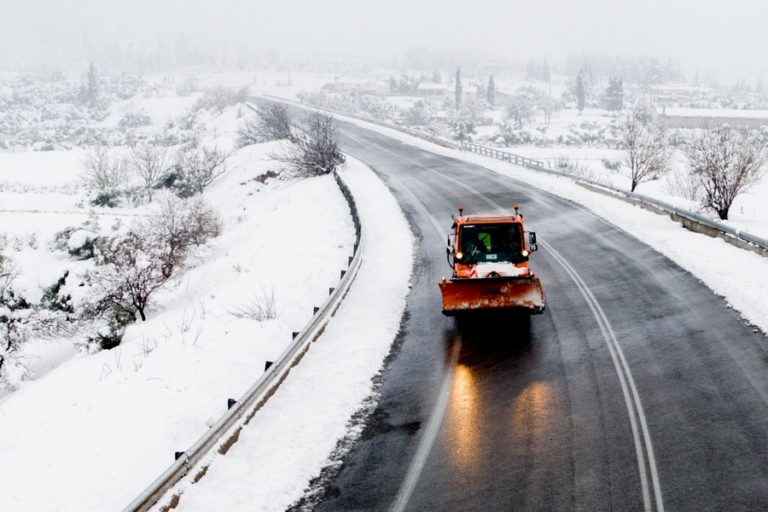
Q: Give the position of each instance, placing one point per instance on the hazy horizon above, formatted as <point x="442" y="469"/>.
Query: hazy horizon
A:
<point x="700" y="37"/>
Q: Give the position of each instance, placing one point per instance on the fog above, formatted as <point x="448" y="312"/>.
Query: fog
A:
<point x="718" y="38"/>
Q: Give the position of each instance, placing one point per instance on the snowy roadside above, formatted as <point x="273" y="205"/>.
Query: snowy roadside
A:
<point x="89" y="434"/>
<point x="290" y="440"/>
<point x="740" y="276"/>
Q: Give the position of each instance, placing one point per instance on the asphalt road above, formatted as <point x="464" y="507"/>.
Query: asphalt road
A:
<point x="638" y="389"/>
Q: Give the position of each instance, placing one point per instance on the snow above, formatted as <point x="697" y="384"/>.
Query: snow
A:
<point x="716" y="112"/>
<point x="291" y="437"/>
<point x="502" y="269"/>
<point x="738" y="275"/>
<point x="37" y="168"/>
<point x="160" y="110"/>
<point x="87" y="432"/>
<point x="749" y="212"/>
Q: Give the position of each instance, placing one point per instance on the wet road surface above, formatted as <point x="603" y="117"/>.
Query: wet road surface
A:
<point x="638" y="389"/>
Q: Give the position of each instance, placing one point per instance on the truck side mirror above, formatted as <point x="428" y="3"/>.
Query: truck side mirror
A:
<point x="449" y="251"/>
<point x="532" y="245"/>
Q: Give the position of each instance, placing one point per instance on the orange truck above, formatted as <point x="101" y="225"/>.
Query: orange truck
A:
<point x="489" y="255"/>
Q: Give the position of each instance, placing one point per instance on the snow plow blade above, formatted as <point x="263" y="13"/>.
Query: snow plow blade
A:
<point x="492" y="294"/>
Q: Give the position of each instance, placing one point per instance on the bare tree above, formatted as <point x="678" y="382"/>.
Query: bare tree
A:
<point x="314" y="151"/>
<point x="129" y="276"/>
<point x="102" y="170"/>
<point x="198" y="169"/>
<point x="178" y="226"/>
<point x="270" y="122"/>
<point x="728" y="162"/>
<point x="647" y="150"/>
<point x="149" y="162"/>
<point x="133" y="267"/>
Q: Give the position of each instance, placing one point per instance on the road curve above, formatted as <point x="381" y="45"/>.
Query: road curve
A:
<point x="638" y="389"/>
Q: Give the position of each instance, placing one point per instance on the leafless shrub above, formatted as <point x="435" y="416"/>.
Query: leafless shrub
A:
<point x="314" y="151"/>
<point x="727" y="162"/>
<point x="219" y="98"/>
<point x="197" y="169"/>
<point x="149" y="162"/>
<point x="684" y="183"/>
<point x="133" y="267"/>
<point x="575" y="168"/>
<point x="270" y="122"/>
<point x="103" y="171"/>
<point x="260" y="308"/>
<point x="179" y="225"/>
<point x="131" y="271"/>
<point x="647" y="150"/>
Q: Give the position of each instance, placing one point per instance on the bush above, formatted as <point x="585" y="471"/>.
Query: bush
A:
<point x="103" y="171"/>
<point x="196" y="170"/>
<point x="219" y="98"/>
<point x="15" y="313"/>
<point x="131" y="268"/>
<point x="135" y="120"/>
<point x="612" y="165"/>
<point x="110" y="335"/>
<point x="269" y="123"/>
<point x="53" y="300"/>
<point x="107" y="199"/>
<point x="314" y="151"/>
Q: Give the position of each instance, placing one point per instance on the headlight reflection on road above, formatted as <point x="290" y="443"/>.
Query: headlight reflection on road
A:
<point x="532" y="414"/>
<point x="463" y="418"/>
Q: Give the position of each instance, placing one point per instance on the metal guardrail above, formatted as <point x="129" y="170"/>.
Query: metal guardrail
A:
<point x="690" y="216"/>
<point x="227" y="427"/>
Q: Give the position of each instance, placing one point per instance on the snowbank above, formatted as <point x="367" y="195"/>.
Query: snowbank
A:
<point x="291" y="437"/>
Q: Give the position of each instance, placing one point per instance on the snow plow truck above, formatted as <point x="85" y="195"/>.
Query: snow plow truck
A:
<point x="489" y="256"/>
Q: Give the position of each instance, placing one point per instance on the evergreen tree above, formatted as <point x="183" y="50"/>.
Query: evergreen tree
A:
<point x="490" y="92"/>
<point x="581" y="91"/>
<point x="613" y="99"/>
<point x="93" y="85"/>
<point x="459" y="88"/>
<point x="530" y="69"/>
<point x="546" y="74"/>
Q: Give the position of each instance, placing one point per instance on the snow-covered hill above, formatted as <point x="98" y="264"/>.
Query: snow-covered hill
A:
<point x="83" y="429"/>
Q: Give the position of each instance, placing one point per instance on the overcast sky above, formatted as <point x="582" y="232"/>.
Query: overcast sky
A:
<point x="723" y="37"/>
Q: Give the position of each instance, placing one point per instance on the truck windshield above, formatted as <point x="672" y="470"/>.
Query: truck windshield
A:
<point x="492" y="243"/>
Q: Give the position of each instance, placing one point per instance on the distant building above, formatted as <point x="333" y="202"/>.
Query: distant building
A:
<point x="432" y="90"/>
<point x="364" y="87"/>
